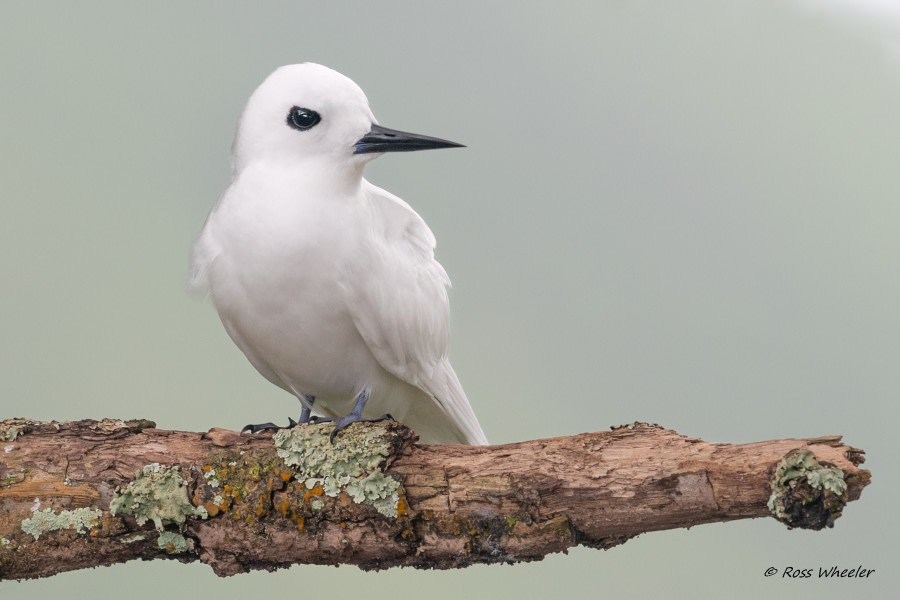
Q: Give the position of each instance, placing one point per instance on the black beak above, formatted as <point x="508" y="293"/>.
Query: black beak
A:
<point x="382" y="139"/>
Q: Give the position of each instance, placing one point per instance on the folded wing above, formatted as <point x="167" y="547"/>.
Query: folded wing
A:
<point x="397" y="295"/>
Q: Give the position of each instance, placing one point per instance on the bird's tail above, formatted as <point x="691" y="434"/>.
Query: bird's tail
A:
<point x="450" y="395"/>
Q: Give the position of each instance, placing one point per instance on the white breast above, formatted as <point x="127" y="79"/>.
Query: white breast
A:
<point x="280" y="252"/>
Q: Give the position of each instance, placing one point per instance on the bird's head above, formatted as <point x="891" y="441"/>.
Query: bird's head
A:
<point x="310" y="112"/>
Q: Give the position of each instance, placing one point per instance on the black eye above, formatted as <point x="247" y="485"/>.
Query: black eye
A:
<point x="303" y="118"/>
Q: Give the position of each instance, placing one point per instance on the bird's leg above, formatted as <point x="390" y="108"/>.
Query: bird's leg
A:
<point x="304" y="418"/>
<point x="355" y="415"/>
<point x="307" y="408"/>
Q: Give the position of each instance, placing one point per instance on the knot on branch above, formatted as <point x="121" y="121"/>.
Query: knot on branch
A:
<point x="806" y="494"/>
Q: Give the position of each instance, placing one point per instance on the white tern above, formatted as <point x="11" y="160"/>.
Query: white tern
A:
<point x="327" y="283"/>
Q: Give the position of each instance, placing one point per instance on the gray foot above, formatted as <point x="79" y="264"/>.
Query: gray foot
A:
<point x="262" y="427"/>
<point x="304" y="418"/>
<point x="355" y="416"/>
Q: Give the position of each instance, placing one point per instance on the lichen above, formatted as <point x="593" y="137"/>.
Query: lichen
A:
<point x="11" y="429"/>
<point x="43" y="521"/>
<point x="805" y="493"/>
<point x="351" y="464"/>
<point x="172" y="542"/>
<point x="157" y="494"/>
<point x="11" y="477"/>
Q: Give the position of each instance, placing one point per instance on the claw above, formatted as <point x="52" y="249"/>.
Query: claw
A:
<point x="261" y="427"/>
<point x="339" y="423"/>
<point x="304" y="418"/>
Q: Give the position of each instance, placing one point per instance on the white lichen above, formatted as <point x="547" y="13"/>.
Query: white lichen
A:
<point x="210" y="477"/>
<point x="352" y="463"/>
<point x="46" y="520"/>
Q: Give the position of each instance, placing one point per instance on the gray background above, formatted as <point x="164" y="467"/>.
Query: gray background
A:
<point x="683" y="213"/>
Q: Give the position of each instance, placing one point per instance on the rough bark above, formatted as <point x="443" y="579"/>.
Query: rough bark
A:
<point x="234" y="503"/>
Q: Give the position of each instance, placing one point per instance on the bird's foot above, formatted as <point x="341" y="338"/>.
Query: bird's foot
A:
<point x="305" y="417"/>
<point x="271" y="426"/>
<point x="343" y="422"/>
<point x="264" y="427"/>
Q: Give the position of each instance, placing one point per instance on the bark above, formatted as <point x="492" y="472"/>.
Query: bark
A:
<point x="232" y="501"/>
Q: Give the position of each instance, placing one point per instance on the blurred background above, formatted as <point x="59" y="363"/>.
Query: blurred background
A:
<point x="685" y="213"/>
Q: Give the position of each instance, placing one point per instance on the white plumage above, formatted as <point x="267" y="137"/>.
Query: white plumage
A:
<point x="327" y="283"/>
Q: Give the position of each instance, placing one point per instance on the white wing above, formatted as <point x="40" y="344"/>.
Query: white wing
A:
<point x="398" y="299"/>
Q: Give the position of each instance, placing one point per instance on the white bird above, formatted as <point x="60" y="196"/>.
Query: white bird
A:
<point x="327" y="283"/>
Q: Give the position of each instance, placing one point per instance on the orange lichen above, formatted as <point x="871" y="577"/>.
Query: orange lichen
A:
<point x="285" y="476"/>
<point x="212" y="508"/>
<point x="284" y="507"/>
<point x="301" y="523"/>
<point x="207" y="468"/>
<point x="316" y="491"/>
<point x="402" y="509"/>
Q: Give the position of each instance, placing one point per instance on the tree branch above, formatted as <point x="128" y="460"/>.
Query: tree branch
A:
<point x="88" y="493"/>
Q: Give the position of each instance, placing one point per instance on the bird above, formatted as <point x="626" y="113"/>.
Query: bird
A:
<point x="327" y="283"/>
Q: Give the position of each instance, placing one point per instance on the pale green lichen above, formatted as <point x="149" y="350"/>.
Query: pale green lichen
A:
<point x="157" y="494"/>
<point x="43" y="521"/>
<point x="11" y="429"/>
<point x="4" y="541"/>
<point x="172" y="542"/>
<point x="795" y="469"/>
<point x="352" y="463"/>
<point x="9" y="434"/>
